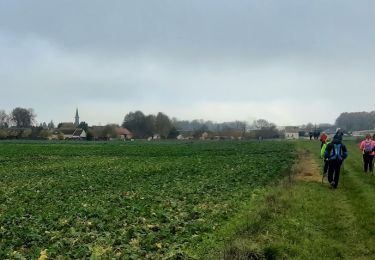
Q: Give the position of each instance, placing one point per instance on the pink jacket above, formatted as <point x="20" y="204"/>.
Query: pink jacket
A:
<point x="362" y="145"/>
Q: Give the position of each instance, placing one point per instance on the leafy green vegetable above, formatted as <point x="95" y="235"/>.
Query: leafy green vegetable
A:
<point x="128" y="200"/>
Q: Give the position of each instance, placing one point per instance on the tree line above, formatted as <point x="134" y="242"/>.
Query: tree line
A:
<point x="21" y="123"/>
<point x="356" y="121"/>
<point x="162" y="126"/>
<point x="143" y="126"/>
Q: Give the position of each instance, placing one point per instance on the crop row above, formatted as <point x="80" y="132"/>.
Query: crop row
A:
<point x="126" y="200"/>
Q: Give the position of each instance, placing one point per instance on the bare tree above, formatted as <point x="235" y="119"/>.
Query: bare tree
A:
<point x="51" y="125"/>
<point x="23" y="117"/>
<point x="4" y="119"/>
<point x="309" y="126"/>
<point x="241" y="126"/>
<point x="261" y="124"/>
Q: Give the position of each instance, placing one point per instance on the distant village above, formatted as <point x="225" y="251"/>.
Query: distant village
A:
<point x="136" y="125"/>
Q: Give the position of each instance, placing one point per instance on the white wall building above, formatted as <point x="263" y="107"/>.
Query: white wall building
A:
<point x="291" y="132"/>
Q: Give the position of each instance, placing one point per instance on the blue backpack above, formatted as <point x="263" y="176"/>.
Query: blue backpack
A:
<point x="336" y="152"/>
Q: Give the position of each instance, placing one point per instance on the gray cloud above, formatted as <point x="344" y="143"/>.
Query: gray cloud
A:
<point x="288" y="61"/>
<point x="197" y="28"/>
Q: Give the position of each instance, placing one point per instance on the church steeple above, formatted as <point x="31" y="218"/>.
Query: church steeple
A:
<point x="76" y="122"/>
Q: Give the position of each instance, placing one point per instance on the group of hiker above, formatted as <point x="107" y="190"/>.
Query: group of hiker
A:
<point x="335" y="152"/>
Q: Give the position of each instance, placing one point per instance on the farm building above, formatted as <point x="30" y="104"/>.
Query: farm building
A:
<point x="204" y="136"/>
<point x="363" y="133"/>
<point x="291" y="132"/>
<point x="70" y="133"/>
<point x="110" y="132"/>
<point x="123" y="133"/>
<point x="185" y="135"/>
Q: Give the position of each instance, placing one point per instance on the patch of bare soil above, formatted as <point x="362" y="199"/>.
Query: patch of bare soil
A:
<point x="306" y="168"/>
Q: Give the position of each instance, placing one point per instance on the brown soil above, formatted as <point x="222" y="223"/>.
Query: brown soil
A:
<point x="307" y="169"/>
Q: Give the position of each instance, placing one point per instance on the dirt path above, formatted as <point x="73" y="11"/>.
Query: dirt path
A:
<point x="307" y="168"/>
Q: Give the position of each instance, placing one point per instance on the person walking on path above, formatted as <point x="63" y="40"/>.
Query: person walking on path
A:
<point x="367" y="148"/>
<point x="336" y="153"/>
<point x="323" y="139"/>
<point x="339" y="134"/>
<point x="325" y="160"/>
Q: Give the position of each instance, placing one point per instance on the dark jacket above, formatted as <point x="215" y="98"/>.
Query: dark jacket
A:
<point x="336" y="150"/>
<point x="338" y="136"/>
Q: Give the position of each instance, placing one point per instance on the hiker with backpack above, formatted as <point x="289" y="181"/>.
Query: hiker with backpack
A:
<point x="367" y="147"/>
<point x="323" y="139"/>
<point x="339" y="133"/>
<point x="325" y="160"/>
<point x="336" y="153"/>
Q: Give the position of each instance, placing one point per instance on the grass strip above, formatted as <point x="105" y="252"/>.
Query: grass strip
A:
<point x="307" y="220"/>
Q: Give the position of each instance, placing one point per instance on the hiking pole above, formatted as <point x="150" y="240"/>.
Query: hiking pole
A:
<point x="343" y="171"/>
<point x="323" y="173"/>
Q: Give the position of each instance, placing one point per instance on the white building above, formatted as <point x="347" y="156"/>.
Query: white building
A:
<point x="363" y="133"/>
<point x="70" y="133"/>
<point x="291" y="132"/>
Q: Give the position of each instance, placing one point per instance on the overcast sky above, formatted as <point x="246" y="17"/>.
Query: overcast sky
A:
<point x="290" y="62"/>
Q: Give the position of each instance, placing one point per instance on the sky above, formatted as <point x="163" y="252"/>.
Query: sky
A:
<point x="290" y="62"/>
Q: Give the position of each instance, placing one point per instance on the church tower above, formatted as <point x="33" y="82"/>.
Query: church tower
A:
<point x="76" y="122"/>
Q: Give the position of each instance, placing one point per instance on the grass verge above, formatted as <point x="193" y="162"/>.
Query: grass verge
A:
<point x="303" y="218"/>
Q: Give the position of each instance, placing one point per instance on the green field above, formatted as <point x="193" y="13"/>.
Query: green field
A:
<point x="130" y="200"/>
